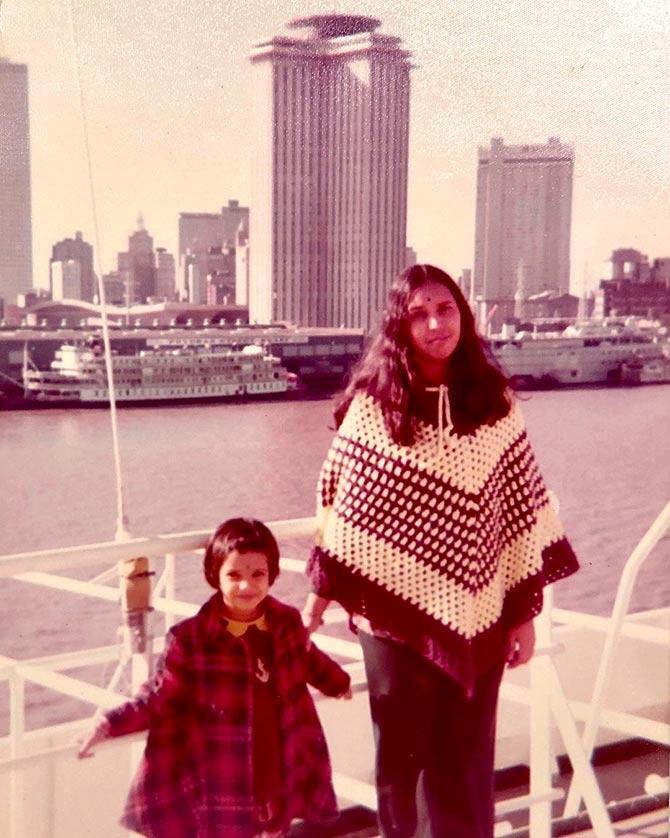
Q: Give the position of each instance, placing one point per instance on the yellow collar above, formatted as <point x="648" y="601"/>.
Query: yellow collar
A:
<point x="238" y="627"/>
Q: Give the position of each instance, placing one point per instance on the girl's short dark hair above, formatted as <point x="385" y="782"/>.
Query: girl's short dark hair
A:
<point x="246" y="535"/>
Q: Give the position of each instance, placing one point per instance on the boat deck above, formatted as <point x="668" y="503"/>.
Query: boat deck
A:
<point x="46" y="791"/>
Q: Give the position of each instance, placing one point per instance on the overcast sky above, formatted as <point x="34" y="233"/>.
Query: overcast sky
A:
<point x="166" y="86"/>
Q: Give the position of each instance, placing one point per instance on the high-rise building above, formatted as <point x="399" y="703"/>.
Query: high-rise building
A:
<point x="210" y="276"/>
<point x="165" y="275"/>
<point x="116" y="286"/>
<point x="524" y="204"/>
<point x="137" y="265"/>
<point x="242" y="264"/>
<point x="203" y="236"/>
<point x="231" y="217"/>
<point x="636" y="289"/>
<point x="65" y="279"/>
<point x="79" y="251"/>
<point x="16" y="261"/>
<point x="628" y="263"/>
<point x="411" y="257"/>
<point x="329" y="179"/>
<point x="465" y="284"/>
<point x="198" y="231"/>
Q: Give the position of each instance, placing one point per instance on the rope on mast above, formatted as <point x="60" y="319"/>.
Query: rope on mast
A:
<point x="122" y="531"/>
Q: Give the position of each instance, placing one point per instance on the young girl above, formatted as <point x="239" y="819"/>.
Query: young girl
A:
<point x="235" y="747"/>
<point x="436" y="534"/>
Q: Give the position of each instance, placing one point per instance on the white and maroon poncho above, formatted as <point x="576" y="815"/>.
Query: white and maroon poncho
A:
<point x="443" y="545"/>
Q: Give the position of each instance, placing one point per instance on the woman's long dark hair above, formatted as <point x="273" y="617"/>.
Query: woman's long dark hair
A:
<point x="478" y="389"/>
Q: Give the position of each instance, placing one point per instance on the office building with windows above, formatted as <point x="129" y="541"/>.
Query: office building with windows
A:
<point x="523" y="215"/>
<point x="329" y="171"/>
<point x="16" y="263"/>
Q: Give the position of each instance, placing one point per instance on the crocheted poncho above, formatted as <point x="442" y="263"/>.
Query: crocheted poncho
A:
<point x="444" y="544"/>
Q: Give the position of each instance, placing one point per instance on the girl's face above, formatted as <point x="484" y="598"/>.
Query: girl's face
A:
<point x="244" y="582"/>
<point x="434" y="324"/>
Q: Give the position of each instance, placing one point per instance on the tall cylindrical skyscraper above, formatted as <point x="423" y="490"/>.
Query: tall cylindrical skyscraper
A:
<point x="329" y="177"/>
<point x="16" y="262"/>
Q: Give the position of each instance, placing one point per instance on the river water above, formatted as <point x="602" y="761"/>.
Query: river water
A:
<point x="605" y="452"/>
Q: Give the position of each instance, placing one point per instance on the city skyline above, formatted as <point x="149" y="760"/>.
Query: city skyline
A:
<point x="167" y="99"/>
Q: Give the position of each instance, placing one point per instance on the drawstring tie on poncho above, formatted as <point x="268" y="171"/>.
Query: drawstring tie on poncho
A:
<point x="443" y="415"/>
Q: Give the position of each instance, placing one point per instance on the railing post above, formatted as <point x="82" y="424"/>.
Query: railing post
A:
<point x="17" y="726"/>
<point x="169" y="575"/>
<point x="134" y="576"/>
<point x="541" y="756"/>
<point x="584" y="776"/>
<point x="649" y="540"/>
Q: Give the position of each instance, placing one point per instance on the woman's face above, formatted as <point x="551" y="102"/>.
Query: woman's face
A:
<point x="434" y="323"/>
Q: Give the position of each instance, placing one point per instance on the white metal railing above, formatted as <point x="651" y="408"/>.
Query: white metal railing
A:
<point x="656" y="532"/>
<point x="545" y="696"/>
<point x="110" y="552"/>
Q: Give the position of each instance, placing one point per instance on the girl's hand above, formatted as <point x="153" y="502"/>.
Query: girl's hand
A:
<point x="312" y="612"/>
<point x="310" y="621"/>
<point x="86" y="744"/>
<point x="521" y="644"/>
<point x="346" y="695"/>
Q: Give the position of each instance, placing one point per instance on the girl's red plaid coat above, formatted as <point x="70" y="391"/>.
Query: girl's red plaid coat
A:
<point x="195" y="778"/>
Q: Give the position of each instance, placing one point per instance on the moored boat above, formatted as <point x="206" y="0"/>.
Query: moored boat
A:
<point x="199" y="371"/>
<point x="653" y="370"/>
<point x="576" y="356"/>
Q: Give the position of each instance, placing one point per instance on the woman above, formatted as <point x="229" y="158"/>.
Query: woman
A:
<point x="436" y="534"/>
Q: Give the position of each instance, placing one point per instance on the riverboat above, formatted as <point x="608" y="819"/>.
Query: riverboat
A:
<point x="319" y="358"/>
<point x="578" y="355"/>
<point x="179" y="372"/>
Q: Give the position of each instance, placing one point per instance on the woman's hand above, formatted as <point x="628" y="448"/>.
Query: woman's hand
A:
<point x="86" y="744"/>
<point x="312" y="612"/>
<point x="346" y="695"/>
<point x="521" y="644"/>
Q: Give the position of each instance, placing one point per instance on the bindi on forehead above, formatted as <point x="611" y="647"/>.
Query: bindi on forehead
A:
<point x="419" y="304"/>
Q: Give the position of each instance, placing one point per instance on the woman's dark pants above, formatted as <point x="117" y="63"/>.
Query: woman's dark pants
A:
<point x="435" y="747"/>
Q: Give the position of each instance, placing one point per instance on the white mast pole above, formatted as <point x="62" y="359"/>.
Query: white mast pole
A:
<point x="122" y="531"/>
